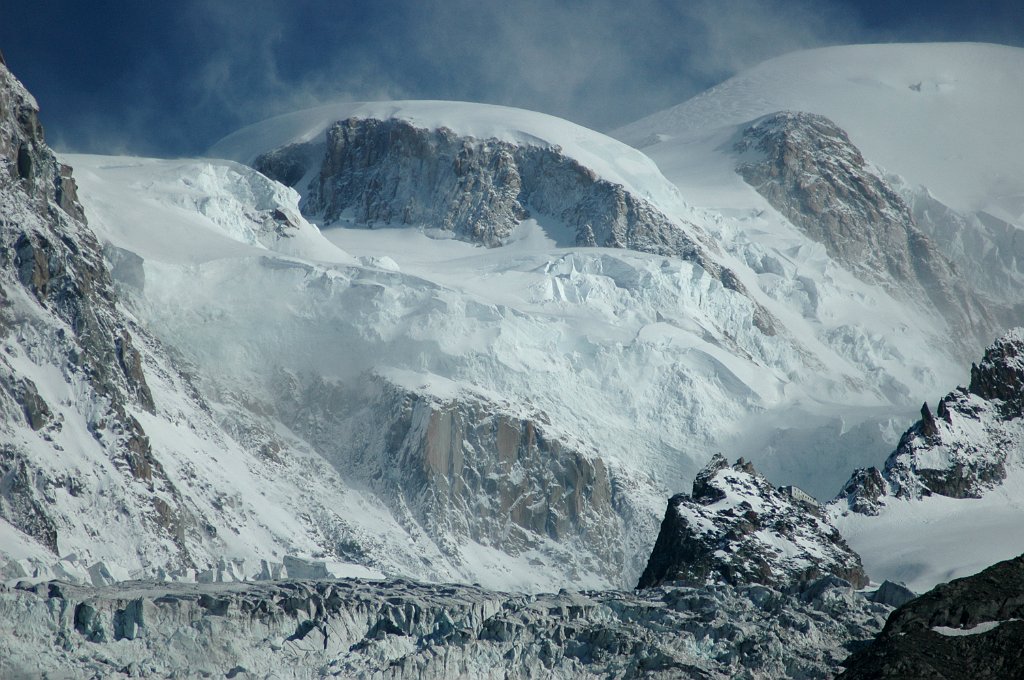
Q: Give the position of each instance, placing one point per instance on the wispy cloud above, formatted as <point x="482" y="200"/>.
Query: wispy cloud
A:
<point x="599" y="62"/>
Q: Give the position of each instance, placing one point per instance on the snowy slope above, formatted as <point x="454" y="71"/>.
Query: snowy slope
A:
<point x="646" y="362"/>
<point x="931" y="540"/>
<point x="938" y="123"/>
<point x="943" y="115"/>
<point x="322" y="357"/>
<point x="955" y="480"/>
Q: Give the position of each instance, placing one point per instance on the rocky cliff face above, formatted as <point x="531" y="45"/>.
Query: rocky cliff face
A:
<point x="465" y="470"/>
<point x="964" y="447"/>
<point x="63" y="334"/>
<point x="808" y="169"/>
<point x="389" y="172"/>
<point x="967" y="628"/>
<point x="399" y="629"/>
<point x="735" y="527"/>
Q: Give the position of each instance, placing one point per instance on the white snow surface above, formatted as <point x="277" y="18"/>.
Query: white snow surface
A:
<point x="942" y="115"/>
<point x="977" y="630"/>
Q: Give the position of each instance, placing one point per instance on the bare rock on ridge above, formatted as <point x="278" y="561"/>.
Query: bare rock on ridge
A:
<point x="737" y="528"/>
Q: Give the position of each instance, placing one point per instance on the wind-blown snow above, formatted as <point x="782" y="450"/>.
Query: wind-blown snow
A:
<point x="942" y="115"/>
<point x="610" y="159"/>
<point x="193" y="211"/>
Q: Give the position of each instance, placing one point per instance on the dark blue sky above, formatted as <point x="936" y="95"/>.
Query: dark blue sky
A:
<point x="161" y="78"/>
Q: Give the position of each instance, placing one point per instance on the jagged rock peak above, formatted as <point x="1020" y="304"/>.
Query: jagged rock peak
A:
<point x="1000" y="375"/>
<point x="58" y="313"/>
<point x="24" y="155"/>
<point x="960" y="450"/>
<point x="737" y="528"/>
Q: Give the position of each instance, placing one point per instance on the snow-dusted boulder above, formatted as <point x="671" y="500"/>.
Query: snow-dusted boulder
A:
<point x="736" y="528"/>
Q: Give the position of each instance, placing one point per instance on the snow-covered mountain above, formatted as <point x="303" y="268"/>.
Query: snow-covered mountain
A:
<point x="610" y="321"/>
<point x="934" y="122"/>
<point x="467" y="343"/>
<point x="942" y="116"/>
<point x="113" y="464"/>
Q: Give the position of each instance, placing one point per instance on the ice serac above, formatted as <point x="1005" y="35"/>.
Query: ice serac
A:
<point x="962" y="449"/>
<point x="736" y="528"/>
<point x="400" y="629"/>
<point x="987" y="250"/>
<point x="968" y="628"/>
<point x="807" y="168"/>
<point x="389" y="171"/>
<point x="71" y="360"/>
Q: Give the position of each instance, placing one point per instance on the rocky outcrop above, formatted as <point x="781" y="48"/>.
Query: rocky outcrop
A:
<point x="377" y="172"/>
<point x="290" y="164"/>
<point x="58" y="310"/>
<point x="807" y="168"/>
<point x="466" y="470"/>
<point x="964" y="447"/>
<point x="401" y="629"/>
<point x="892" y="594"/>
<point x="1000" y="375"/>
<point x="968" y="628"/>
<point x="736" y="528"/>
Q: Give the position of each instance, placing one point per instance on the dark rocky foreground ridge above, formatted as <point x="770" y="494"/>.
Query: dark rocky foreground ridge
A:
<point x="400" y="629"/>
<point x="968" y="628"/>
